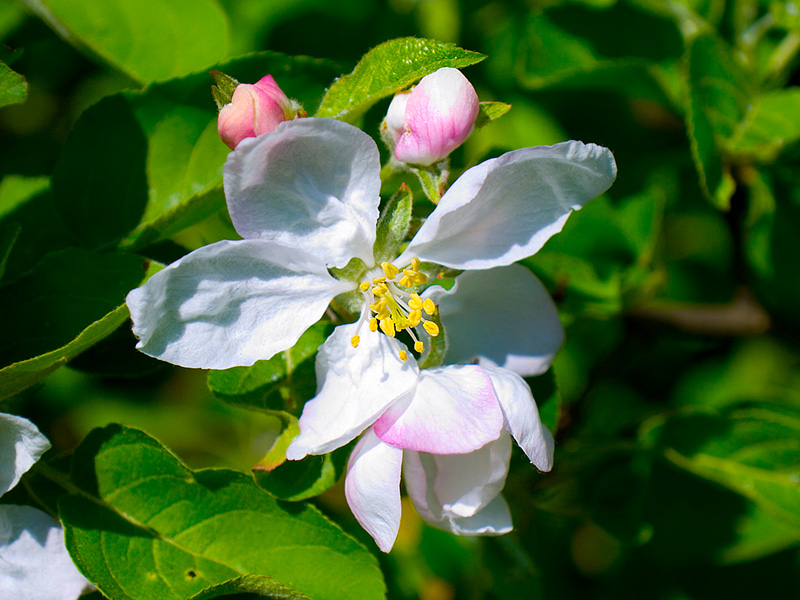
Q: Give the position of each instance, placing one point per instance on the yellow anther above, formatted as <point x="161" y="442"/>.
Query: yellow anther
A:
<point x="380" y="289"/>
<point x="354" y="340"/>
<point x="428" y="306"/>
<point x="403" y="355"/>
<point x="378" y="305"/>
<point x="389" y="270"/>
<point x="364" y="286"/>
<point x="415" y="303"/>
<point x="419" y="347"/>
<point x="387" y="327"/>
<point x="420" y="278"/>
<point x="373" y="324"/>
<point x="379" y="280"/>
<point x="415" y="318"/>
<point x="383" y="314"/>
<point x="431" y="328"/>
<point x="415" y="262"/>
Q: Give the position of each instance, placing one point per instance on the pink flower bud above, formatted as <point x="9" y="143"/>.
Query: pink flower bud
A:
<point x="254" y="109"/>
<point x="434" y="118"/>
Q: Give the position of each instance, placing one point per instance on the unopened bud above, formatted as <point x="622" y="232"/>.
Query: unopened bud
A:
<point x="433" y="119"/>
<point x="254" y="109"/>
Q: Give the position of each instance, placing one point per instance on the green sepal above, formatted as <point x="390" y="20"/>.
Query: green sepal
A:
<point x="489" y="111"/>
<point x="393" y="224"/>
<point x="433" y="179"/>
<point x="223" y="91"/>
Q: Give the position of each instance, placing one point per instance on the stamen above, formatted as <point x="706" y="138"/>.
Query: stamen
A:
<point x="364" y="286"/>
<point x="431" y="327"/>
<point x="403" y="355"/>
<point x="373" y="324"/>
<point x="389" y="270"/>
<point x="419" y="347"/>
<point x="416" y="302"/>
<point x="415" y="262"/>
<point x="354" y="340"/>
<point x="428" y="306"/>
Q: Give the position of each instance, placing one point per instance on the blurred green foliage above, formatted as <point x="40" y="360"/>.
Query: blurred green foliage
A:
<point x="676" y="397"/>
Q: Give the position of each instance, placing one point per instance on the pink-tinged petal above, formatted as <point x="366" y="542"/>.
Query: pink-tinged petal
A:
<point x="372" y="488"/>
<point x="251" y="112"/>
<point x="268" y="85"/>
<point x="453" y="410"/>
<point x="506" y="208"/>
<point x="522" y="417"/>
<point x="460" y="492"/>
<point x="21" y="445"/>
<point x="504" y="315"/>
<point x="34" y="563"/>
<point x="439" y="115"/>
<point x="395" y="120"/>
<point x="312" y="184"/>
<point x="355" y="386"/>
<point x="230" y="304"/>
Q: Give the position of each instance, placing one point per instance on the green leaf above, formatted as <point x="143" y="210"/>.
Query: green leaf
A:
<point x="282" y="383"/>
<point x="26" y="205"/>
<point x="387" y="69"/>
<point x="302" y="479"/>
<point x="13" y="87"/>
<point x="70" y="301"/>
<point x="489" y="111"/>
<point x="753" y="451"/>
<point x="249" y="587"/>
<point x="718" y="98"/>
<point x="140" y="167"/>
<point x="148" y="40"/>
<point x="141" y="525"/>
<point x="771" y="123"/>
<point x="571" y="41"/>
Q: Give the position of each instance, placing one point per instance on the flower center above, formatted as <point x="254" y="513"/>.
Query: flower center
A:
<point x="394" y="308"/>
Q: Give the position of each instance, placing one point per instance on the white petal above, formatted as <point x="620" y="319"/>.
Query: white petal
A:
<point x="457" y="485"/>
<point x="453" y="410"/>
<point x="506" y="208"/>
<point x="503" y="314"/>
<point x="354" y="386"/>
<point x="522" y="417"/>
<point x="312" y="184"/>
<point x="372" y="488"/>
<point x="21" y="445"/>
<point x="34" y="564"/>
<point x="494" y="519"/>
<point x="230" y="304"/>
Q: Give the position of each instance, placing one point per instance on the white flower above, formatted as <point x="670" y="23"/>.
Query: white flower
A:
<point x="305" y="199"/>
<point x="34" y="563"/>
<point x="451" y="436"/>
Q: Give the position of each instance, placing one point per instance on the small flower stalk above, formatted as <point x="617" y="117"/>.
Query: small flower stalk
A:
<point x="249" y="110"/>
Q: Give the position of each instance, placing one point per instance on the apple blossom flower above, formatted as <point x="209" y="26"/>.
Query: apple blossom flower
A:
<point x="305" y="199"/>
<point x="34" y="563"/>
<point x="434" y="118"/>
<point x="449" y="431"/>
<point x="254" y="109"/>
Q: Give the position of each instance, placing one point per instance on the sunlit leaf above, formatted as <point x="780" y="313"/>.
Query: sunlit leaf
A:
<point x="124" y="33"/>
<point x="249" y="587"/>
<point x="145" y="526"/>
<point x="389" y="68"/>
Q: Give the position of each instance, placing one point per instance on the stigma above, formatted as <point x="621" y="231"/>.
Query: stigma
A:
<point x="393" y="307"/>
